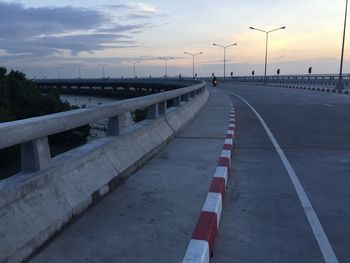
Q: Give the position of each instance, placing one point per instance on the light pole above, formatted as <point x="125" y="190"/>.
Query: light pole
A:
<point x="166" y="64"/>
<point x="79" y="70"/>
<point x="224" y="47"/>
<point x="103" y="69"/>
<point x="267" y="40"/>
<point x="340" y="84"/>
<point x="193" y="55"/>
<point x="134" y="63"/>
<point x="59" y="72"/>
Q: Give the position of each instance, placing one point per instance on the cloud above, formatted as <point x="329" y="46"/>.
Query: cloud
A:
<point x="45" y="31"/>
<point x="17" y="22"/>
<point x="137" y="11"/>
<point x="123" y="28"/>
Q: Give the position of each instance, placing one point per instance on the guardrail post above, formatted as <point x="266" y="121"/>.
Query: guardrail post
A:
<point x="185" y="97"/>
<point x="113" y="128"/>
<point x="177" y="102"/>
<point x="162" y="108"/>
<point x="192" y="94"/>
<point x="152" y="112"/>
<point x="35" y="155"/>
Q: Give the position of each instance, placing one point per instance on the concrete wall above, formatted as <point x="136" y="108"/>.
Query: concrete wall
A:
<point x="33" y="207"/>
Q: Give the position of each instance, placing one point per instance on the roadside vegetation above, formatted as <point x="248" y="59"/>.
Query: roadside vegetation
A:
<point x="19" y="99"/>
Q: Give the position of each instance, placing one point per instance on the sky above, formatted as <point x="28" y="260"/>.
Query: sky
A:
<point x="51" y="38"/>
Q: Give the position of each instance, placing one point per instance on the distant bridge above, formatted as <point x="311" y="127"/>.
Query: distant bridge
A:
<point x="122" y="88"/>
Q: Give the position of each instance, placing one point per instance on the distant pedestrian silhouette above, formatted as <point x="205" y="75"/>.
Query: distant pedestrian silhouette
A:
<point x="215" y="83"/>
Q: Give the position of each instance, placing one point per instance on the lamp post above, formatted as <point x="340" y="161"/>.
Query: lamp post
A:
<point x="79" y="70"/>
<point x="134" y="66"/>
<point x="193" y="55"/>
<point x="224" y="47"/>
<point x="103" y="69"/>
<point x="166" y="64"/>
<point x="59" y="72"/>
<point x="340" y="84"/>
<point x="267" y="40"/>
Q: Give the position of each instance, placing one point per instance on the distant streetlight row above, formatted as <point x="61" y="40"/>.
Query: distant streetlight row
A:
<point x="339" y="86"/>
<point x="188" y="53"/>
<point x="193" y="56"/>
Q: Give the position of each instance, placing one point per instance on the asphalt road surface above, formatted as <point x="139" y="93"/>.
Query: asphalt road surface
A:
<point x="266" y="216"/>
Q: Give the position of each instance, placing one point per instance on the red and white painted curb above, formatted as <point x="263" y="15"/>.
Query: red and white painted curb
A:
<point x="202" y="242"/>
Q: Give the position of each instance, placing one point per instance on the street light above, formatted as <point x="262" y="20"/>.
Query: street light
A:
<point x="340" y="84"/>
<point x="79" y="70"/>
<point x="224" y="47"/>
<point x="267" y="40"/>
<point x="193" y="55"/>
<point x="134" y="63"/>
<point x="103" y="69"/>
<point x="166" y="64"/>
<point x="59" y="72"/>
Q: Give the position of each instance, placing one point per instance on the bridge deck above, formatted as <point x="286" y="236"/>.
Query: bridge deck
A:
<point x="151" y="217"/>
<point x="263" y="219"/>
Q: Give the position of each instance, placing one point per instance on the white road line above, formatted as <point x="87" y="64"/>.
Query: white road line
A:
<point x="320" y="235"/>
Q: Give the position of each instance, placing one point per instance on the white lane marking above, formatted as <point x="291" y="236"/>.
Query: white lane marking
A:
<point x="319" y="233"/>
<point x="329" y="105"/>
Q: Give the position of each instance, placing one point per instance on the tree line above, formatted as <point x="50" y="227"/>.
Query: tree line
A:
<point x="20" y="99"/>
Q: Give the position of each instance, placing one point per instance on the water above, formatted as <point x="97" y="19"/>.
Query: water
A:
<point x="99" y="128"/>
<point x="88" y="101"/>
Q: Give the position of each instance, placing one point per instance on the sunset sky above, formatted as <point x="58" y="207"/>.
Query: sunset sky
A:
<point x="38" y="37"/>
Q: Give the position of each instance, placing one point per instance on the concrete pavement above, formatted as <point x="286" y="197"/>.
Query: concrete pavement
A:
<point x="263" y="220"/>
<point x="151" y="217"/>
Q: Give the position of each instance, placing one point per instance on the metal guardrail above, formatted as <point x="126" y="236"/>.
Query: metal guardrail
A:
<point x="33" y="133"/>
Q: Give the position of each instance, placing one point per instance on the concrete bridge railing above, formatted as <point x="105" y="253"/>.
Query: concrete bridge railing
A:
<point x="49" y="192"/>
<point x="32" y="133"/>
<point x="294" y="79"/>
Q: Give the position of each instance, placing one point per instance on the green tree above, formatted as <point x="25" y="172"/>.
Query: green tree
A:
<point x="20" y="99"/>
<point x="4" y="113"/>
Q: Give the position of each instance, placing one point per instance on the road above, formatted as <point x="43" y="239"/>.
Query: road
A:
<point x="151" y="217"/>
<point x="263" y="219"/>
